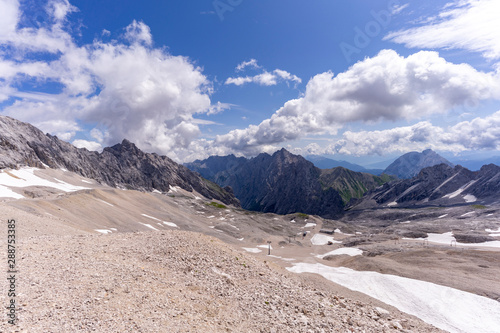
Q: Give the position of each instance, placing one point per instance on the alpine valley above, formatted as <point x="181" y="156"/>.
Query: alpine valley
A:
<point x="128" y="241"/>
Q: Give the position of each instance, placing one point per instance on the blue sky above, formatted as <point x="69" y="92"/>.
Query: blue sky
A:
<point x="356" y="80"/>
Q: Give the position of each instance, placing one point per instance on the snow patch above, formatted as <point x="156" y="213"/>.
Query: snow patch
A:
<point x="251" y="249"/>
<point x="6" y="192"/>
<point x="394" y="203"/>
<point x="350" y="251"/>
<point x="103" y="231"/>
<point x="320" y="239"/>
<point x="470" y="198"/>
<point x="440" y="217"/>
<point x="466" y="214"/>
<point x="104" y="202"/>
<point x="26" y="177"/>
<point x="310" y="225"/>
<point x="444" y="307"/>
<point x="170" y="224"/>
<point x="148" y="225"/>
<point x="447" y="238"/>
<point x="265" y="246"/>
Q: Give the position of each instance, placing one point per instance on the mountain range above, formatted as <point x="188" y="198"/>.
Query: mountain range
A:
<point x="122" y="165"/>
<point x="285" y="183"/>
<point x="328" y="163"/>
<point x="439" y="185"/>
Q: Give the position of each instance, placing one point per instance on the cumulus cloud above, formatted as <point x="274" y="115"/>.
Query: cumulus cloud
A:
<point x="126" y="87"/>
<point x="265" y="78"/>
<point x="471" y="25"/>
<point x="89" y="145"/>
<point x="477" y="134"/>
<point x="385" y="87"/>
<point x="251" y="63"/>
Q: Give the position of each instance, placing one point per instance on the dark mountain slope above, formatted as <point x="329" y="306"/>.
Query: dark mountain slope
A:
<point x="285" y="183"/>
<point x="439" y="185"/>
<point x="350" y="184"/>
<point x="123" y="165"/>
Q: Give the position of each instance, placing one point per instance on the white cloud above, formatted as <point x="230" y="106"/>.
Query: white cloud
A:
<point x="265" y="78"/>
<point x="385" y="87"/>
<point x="138" y="32"/>
<point x="477" y="134"/>
<point x="471" y="25"/>
<point x="126" y="87"/>
<point x="251" y="63"/>
<point x="10" y="15"/>
<point x="90" y="145"/>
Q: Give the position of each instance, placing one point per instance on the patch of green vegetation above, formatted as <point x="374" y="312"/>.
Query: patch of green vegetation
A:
<point x="216" y="205"/>
<point x="479" y="207"/>
<point x="302" y="215"/>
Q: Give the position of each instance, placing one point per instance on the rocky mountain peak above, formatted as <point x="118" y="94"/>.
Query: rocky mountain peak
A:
<point x="410" y="164"/>
<point x="122" y="165"/>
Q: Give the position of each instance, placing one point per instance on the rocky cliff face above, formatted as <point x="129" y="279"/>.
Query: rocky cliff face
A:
<point x="282" y="183"/>
<point x="410" y="164"/>
<point x="123" y="165"/>
<point x="440" y="185"/>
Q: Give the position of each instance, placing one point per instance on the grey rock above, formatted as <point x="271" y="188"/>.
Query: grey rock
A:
<point x="410" y="164"/>
<point x="122" y="165"/>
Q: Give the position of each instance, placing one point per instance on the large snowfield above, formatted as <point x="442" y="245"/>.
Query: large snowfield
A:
<point x="444" y="307"/>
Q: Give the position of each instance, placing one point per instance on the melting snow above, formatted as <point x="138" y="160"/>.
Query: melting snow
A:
<point x="447" y="238"/>
<point x="148" y="225"/>
<point x="150" y="217"/>
<point x="171" y="224"/>
<point x="460" y="190"/>
<point x="252" y="250"/>
<point x="440" y="217"/>
<point x="26" y="177"/>
<point x="103" y="231"/>
<point x="104" y="202"/>
<point x="447" y="308"/>
<point x="310" y="225"/>
<point x="469" y="198"/>
<point x="350" y="251"/>
<point x="466" y="214"/>
<point x="264" y="246"/>
<point x="319" y="239"/>
<point x="6" y="192"/>
<point x="394" y="203"/>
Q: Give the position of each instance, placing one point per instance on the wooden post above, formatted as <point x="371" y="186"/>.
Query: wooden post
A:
<point x="268" y="248"/>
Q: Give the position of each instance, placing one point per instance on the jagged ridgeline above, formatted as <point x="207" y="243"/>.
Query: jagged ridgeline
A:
<point x="122" y="165"/>
<point x="285" y="183"/>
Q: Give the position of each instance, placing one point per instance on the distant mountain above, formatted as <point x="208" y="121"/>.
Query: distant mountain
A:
<point x="123" y="165"/>
<point x="328" y="163"/>
<point x="410" y="164"/>
<point x="439" y="185"/>
<point x="285" y="183"/>
<point x="475" y="165"/>
<point x="282" y="183"/>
